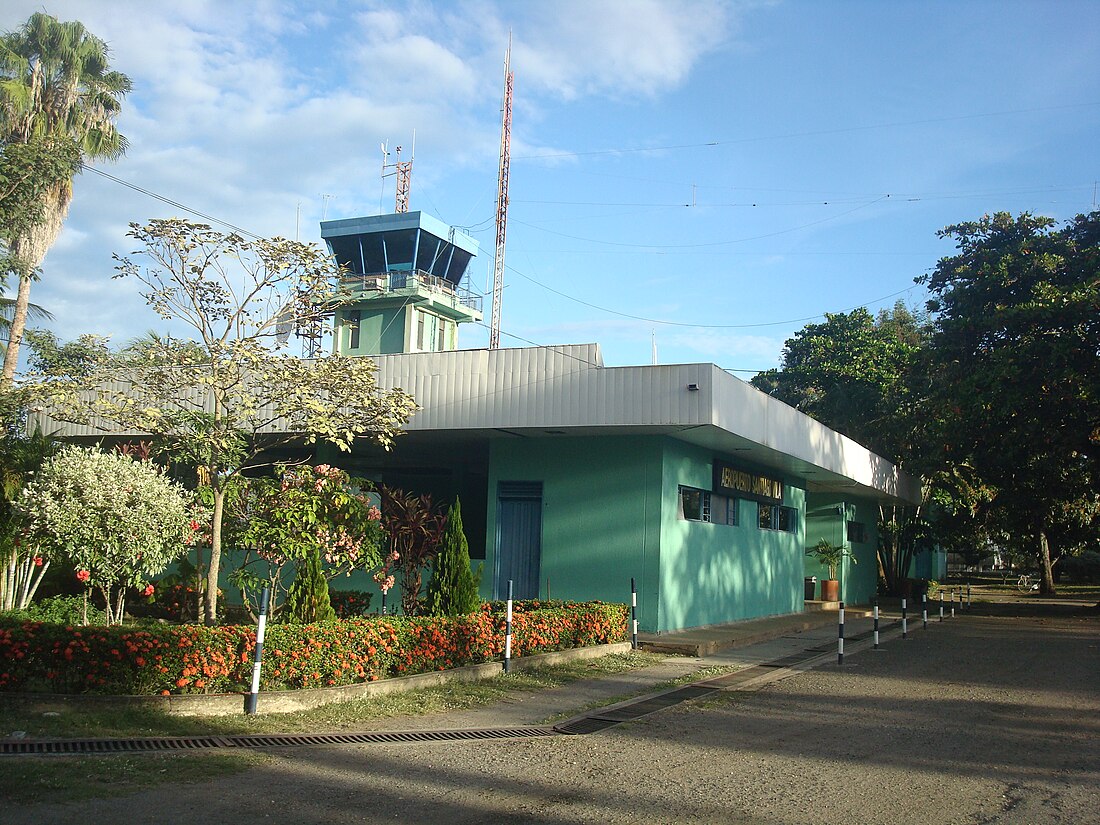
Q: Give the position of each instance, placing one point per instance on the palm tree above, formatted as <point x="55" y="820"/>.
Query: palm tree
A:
<point x="7" y="309"/>
<point x="55" y="79"/>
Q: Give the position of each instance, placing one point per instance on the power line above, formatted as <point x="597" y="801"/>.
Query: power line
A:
<point x="711" y="243"/>
<point x="815" y="133"/>
<point x="700" y="326"/>
<point x="830" y="201"/>
<point x="171" y="202"/>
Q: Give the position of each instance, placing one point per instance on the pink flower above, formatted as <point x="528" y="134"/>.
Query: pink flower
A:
<point x="38" y="561"/>
<point x="83" y="575"/>
<point x="374" y="514"/>
<point x="148" y="591"/>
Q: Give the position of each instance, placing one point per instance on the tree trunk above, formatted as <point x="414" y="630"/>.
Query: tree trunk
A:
<point x="30" y="249"/>
<point x="15" y="331"/>
<point x="1047" y="586"/>
<point x="210" y="616"/>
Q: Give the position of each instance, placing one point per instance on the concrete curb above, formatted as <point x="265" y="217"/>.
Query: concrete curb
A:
<point x="289" y="701"/>
<point x="706" y="641"/>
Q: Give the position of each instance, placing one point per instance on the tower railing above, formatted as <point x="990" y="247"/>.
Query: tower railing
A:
<point x="405" y="280"/>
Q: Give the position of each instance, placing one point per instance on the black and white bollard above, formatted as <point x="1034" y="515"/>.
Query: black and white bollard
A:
<point x="968" y="595"/>
<point x="941" y="605"/>
<point x="924" y="609"/>
<point x="876" y="625"/>
<point x="633" y="615"/>
<point x="257" y="659"/>
<point x="508" y="632"/>
<point x="952" y="604"/>
<point x="840" y="639"/>
<point x="904" y="622"/>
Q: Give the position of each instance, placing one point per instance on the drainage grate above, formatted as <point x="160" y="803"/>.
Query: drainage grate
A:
<point x="280" y="740"/>
<point x="652" y="704"/>
<point x="588" y="724"/>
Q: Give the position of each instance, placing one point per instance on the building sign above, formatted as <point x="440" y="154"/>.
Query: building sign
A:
<point x="731" y="481"/>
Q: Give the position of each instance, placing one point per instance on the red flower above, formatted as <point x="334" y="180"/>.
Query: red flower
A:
<point x="37" y="561"/>
<point x="83" y="575"/>
<point x="149" y="590"/>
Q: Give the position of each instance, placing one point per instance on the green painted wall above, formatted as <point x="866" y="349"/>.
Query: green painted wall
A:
<point x="714" y="573"/>
<point x="600" y="517"/>
<point x="381" y="330"/>
<point x="611" y="511"/>
<point x="826" y="518"/>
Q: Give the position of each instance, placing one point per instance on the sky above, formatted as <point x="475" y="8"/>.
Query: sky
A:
<point x="691" y="180"/>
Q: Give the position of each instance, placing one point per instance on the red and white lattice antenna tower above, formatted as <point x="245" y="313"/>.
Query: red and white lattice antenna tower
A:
<point x="402" y="170"/>
<point x="502" y="198"/>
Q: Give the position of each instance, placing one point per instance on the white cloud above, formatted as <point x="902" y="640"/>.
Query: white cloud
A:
<point x="621" y="49"/>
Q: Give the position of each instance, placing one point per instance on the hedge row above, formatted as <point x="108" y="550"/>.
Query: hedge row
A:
<point x="167" y="659"/>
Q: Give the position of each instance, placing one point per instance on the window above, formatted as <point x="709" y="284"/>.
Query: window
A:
<point x="776" y="517"/>
<point x="694" y="504"/>
<point x="702" y="505"/>
<point x="420" y="318"/>
<point x="724" y="509"/>
<point x="857" y="532"/>
<point x="353" y="320"/>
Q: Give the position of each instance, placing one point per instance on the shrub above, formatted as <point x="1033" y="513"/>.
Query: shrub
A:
<point x="307" y="601"/>
<point x="117" y="521"/>
<point x="350" y="604"/>
<point x="453" y="588"/>
<point x="53" y="658"/>
<point x="1082" y="568"/>
<point x="59" y="610"/>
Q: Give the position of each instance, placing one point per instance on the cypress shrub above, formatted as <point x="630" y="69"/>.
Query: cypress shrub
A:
<point x="308" y="601"/>
<point x="453" y="588"/>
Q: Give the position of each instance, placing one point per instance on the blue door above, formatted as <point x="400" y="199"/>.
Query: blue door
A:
<point x="519" y="538"/>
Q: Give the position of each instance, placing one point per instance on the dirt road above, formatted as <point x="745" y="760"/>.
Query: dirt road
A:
<point x="977" y="720"/>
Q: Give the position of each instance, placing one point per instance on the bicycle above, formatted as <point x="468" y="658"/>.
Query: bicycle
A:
<point x="1026" y="585"/>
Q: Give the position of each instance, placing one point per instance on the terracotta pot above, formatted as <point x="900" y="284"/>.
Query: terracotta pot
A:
<point x="830" y="590"/>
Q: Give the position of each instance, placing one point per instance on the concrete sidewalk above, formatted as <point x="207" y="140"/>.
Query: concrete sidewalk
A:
<point x="706" y="641"/>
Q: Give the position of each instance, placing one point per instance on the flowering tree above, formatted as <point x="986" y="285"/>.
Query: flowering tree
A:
<point x="225" y="400"/>
<point x="303" y="514"/>
<point x="117" y="521"/>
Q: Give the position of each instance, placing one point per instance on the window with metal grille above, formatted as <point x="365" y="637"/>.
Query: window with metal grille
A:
<point x="777" y="517"/>
<point x="703" y="505"/>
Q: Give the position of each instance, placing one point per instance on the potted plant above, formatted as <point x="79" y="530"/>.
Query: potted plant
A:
<point x="830" y="555"/>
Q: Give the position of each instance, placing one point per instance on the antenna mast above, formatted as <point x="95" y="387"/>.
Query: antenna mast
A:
<point x="403" y="171"/>
<point x="502" y="198"/>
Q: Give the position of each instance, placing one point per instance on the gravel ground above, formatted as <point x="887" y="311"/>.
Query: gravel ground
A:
<point x="976" y="720"/>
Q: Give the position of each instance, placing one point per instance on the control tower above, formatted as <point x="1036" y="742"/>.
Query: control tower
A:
<point x="405" y="275"/>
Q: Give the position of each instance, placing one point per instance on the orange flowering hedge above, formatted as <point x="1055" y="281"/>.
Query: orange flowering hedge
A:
<point x="164" y="659"/>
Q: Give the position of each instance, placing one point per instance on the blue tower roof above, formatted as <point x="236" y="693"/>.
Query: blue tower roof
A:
<point x="400" y="242"/>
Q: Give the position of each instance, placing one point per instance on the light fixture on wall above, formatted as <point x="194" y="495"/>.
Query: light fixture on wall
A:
<point x="693" y="388"/>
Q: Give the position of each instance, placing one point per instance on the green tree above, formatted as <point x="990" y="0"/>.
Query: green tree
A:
<point x="117" y="521"/>
<point x="850" y="373"/>
<point x="1013" y="366"/>
<point x="857" y="374"/>
<point x="225" y="401"/>
<point x="307" y="600"/>
<point x="453" y="587"/>
<point x="55" y="84"/>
